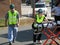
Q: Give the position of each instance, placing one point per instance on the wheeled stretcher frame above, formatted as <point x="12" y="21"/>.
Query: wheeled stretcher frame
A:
<point x="51" y="35"/>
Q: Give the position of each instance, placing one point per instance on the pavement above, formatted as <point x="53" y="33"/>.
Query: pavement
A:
<point x="24" y="36"/>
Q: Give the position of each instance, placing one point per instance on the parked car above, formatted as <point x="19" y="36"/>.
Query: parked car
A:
<point x="42" y="6"/>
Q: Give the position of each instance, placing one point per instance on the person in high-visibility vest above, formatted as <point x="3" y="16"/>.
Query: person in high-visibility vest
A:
<point x="39" y="18"/>
<point x="12" y="17"/>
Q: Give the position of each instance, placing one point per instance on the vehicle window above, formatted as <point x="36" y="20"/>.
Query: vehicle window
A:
<point x="39" y="5"/>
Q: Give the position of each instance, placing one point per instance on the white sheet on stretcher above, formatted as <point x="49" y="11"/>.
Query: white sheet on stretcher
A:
<point x="58" y="22"/>
<point x="50" y="25"/>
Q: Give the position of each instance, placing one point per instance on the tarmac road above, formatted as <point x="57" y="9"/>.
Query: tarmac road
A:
<point x="24" y="36"/>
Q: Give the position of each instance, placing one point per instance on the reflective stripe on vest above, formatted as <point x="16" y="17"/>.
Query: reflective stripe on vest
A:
<point x="40" y="19"/>
<point x="12" y="19"/>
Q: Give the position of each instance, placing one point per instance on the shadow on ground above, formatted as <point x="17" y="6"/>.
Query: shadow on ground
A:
<point x="4" y="35"/>
<point x="30" y="44"/>
<point x="23" y="36"/>
<point x="28" y="15"/>
<point x="6" y="43"/>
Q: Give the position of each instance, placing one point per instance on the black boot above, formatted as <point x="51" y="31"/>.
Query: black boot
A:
<point x="13" y="41"/>
<point x="10" y="43"/>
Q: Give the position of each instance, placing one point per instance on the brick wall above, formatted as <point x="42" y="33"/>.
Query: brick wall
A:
<point x="4" y="6"/>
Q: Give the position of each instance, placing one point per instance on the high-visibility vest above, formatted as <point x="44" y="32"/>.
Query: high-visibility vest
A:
<point x="39" y="19"/>
<point x="12" y="17"/>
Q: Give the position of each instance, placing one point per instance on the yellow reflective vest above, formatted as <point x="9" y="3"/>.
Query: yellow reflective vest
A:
<point x="12" y="17"/>
<point x="39" y="19"/>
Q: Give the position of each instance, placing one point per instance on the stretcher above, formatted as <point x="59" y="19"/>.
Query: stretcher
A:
<point x="51" y="36"/>
<point x="58" y="33"/>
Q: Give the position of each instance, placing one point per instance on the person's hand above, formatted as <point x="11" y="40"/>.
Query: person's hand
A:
<point x="17" y="24"/>
<point x="45" y="21"/>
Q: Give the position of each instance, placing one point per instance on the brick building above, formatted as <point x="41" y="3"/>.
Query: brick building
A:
<point x="4" y="6"/>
